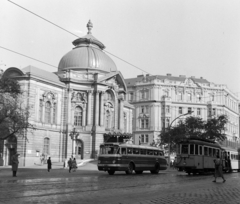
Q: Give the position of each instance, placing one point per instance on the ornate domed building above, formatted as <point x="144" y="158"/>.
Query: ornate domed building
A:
<point x="73" y="108"/>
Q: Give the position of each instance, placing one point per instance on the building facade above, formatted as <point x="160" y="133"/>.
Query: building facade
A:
<point x="72" y="108"/>
<point x="158" y="100"/>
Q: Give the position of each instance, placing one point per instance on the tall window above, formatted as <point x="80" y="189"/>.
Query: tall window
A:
<point x="46" y="146"/>
<point x="142" y="123"/>
<point x="131" y="96"/>
<point x="78" y="116"/>
<point x="180" y="96"/>
<point x="199" y="111"/>
<point x="146" y="123"/>
<point x="48" y="112"/>
<point x="167" y="109"/>
<point x="146" y="138"/>
<point x="180" y="110"/>
<point x="54" y="113"/>
<point x="142" y="109"/>
<point x="189" y="110"/>
<point x="108" y="120"/>
<point x="167" y="122"/>
<point x="142" y="138"/>
<point x="40" y="110"/>
<point x="189" y="97"/>
<point x="198" y="98"/>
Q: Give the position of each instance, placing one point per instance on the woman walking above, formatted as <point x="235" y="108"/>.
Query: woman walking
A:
<point x="15" y="162"/>
<point x="74" y="165"/>
<point x="218" y="169"/>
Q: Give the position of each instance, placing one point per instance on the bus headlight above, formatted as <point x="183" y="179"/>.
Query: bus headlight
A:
<point x="114" y="161"/>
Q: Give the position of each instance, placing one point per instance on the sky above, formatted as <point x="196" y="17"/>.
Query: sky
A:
<point x="198" y="38"/>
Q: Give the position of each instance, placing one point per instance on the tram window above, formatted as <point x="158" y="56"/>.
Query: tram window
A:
<point x="231" y="156"/>
<point x="129" y="150"/>
<point x="191" y="148"/>
<point x="200" y="150"/>
<point x="156" y="153"/>
<point x="214" y="152"/>
<point x="210" y="152"/>
<point x="196" y="149"/>
<point x="184" y="149"/>
<point x="149" y="152"/>
<point x="143" y="151"/>
<point x="205" y="151"/>
<point x="217" y="152"/>
<point x="135" y="151"/>
<point x="124" y="150"/>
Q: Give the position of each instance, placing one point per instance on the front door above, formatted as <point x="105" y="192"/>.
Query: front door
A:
<point x="79" y="149"/>
<point x="11" y="153"/>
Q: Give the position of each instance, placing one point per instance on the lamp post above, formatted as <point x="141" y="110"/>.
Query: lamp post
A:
<point x="73" y="135"/>
<point x="169" y="127"/>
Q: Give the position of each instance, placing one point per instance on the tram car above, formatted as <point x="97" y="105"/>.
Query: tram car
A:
<point x="231" y="159"/>
<point x="197" y="155"/>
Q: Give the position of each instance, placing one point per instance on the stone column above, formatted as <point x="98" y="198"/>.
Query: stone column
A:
<point x="102" y="109"/>
<point x="89" y="110"/>
<point x="84" y="116"/>
<point x="121" y="119"/>
<point x="43" y="111"/>
<point x="97" y="108"/>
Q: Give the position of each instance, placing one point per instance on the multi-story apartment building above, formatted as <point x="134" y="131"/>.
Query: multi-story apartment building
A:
<point x="158" y="100"/>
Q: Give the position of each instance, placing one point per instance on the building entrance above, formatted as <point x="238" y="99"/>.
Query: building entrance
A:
<point x="11" y="145"/>
<point x="79" y="149"/>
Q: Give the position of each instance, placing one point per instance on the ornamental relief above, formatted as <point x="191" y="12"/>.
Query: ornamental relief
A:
<point x="79" y="97"/>
<point x="49" y="96"/>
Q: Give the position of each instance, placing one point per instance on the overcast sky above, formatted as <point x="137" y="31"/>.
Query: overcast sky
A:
<point x="182" y="37"/>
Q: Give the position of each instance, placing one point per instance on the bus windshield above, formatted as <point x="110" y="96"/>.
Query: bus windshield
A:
<point x="109" y="149"/>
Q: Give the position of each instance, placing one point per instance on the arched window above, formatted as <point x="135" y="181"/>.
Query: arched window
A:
<point x="54" y="113"/>
<point x="189" y="97"/>
<point x="46" y="146"/>
<point x="48" y="112"/>
<point x="40" y="110"/>
<point x="78" y="116"/>
<point x="108" y="120"/>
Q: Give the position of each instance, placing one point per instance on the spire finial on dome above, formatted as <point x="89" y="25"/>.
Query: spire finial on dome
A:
<point x="89" y="26"/>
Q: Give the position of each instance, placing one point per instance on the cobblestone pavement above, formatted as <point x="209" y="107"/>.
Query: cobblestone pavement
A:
<point x="87" y="186"/>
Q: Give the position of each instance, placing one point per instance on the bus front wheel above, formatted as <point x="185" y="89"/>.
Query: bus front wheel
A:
<point x="130" y="168"/>
<point x="111" y="172"/>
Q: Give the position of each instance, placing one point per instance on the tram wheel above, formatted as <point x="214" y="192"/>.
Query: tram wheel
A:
<point x="138" y="172"/>
<point x="130" y="168"/>
<point x="111" y="172"/>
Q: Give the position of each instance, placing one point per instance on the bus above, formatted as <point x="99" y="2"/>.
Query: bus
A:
<point x="128" y="157"/>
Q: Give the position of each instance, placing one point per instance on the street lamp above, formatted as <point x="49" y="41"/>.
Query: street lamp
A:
<point x="169" y="127"/>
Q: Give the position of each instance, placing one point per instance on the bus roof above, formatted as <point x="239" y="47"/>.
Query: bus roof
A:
<point x="132" y="145"/>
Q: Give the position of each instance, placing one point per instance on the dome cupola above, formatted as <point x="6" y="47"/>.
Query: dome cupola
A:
<point x="87" y="54"/>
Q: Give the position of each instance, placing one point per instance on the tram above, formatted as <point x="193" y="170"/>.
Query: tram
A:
<point x="198" y="155"/>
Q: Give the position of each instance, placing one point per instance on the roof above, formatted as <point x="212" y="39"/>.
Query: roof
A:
<point x="133" y="81"/>
<point x="42" y="74"/>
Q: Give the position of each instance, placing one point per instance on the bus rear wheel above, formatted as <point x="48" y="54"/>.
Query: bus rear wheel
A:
<point x="130" y="168"/>
<point x="138" y="172"/>
<point x="111" y="172"/>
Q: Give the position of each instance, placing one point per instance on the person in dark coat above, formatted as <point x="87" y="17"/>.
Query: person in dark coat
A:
<point x="218" y="169"/>
<point x="15" y="162"/>
<point x="70" y="164"/>
<point x="49" y="164"/>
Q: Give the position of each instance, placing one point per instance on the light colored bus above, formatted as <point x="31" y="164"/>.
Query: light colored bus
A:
<point x="128" y="157"/>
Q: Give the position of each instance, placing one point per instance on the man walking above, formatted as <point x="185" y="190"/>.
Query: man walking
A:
<point x="70" y="164"/>
<point x="49" y="164"/>
<point x="15" y="162"/>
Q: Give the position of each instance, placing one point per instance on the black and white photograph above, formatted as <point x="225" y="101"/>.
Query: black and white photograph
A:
<point x="120" y="101"/>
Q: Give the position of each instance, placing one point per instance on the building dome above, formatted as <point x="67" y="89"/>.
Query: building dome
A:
<point x="87" y="54"/>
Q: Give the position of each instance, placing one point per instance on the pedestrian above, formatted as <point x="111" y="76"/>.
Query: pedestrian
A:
<point x="74" y="165"/>
<point x="70" y="164"/>
<point x="218" y="169"/>
<point x="15" y="162"/>
<point x="49" y="164"/>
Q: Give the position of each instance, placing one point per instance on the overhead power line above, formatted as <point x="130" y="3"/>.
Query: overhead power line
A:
<point x="27" y="56"/>
<point x="73" y="34"/>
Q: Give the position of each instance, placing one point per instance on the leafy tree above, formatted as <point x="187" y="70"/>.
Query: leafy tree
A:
<point x="14" y="113"/>
<point x="194" y="127"/>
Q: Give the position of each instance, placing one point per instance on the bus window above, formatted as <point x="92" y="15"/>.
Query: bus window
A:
<point x="124" y="150"/>
<point x="196" y="149"/>
<point x="135" y="151"/>
<point x="143" y="151"/>
<point x="205" y="151"/>
<point x="149" y="152"/>
<point x="210" y="152"/>
<point x="184" y="149"/>
<point x="200" y="150"/>
<point x="161" y="153"/>
<point x="129" y="150"/>
<point x="109" y="149"/>
<point x="191" y="148"/>
<point x="156" y="153"/>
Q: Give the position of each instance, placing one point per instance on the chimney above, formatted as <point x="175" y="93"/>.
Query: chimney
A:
<point x="201" y="77"/>
<point x="169" y="74"/>
<point x="139" y="76"/>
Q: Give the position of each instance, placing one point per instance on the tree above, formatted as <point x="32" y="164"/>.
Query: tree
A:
<point x="194" y="127"/>
<point x="14" y="113"/>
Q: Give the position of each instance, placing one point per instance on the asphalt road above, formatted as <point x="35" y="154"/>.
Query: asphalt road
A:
<point x="87" y="185"/>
